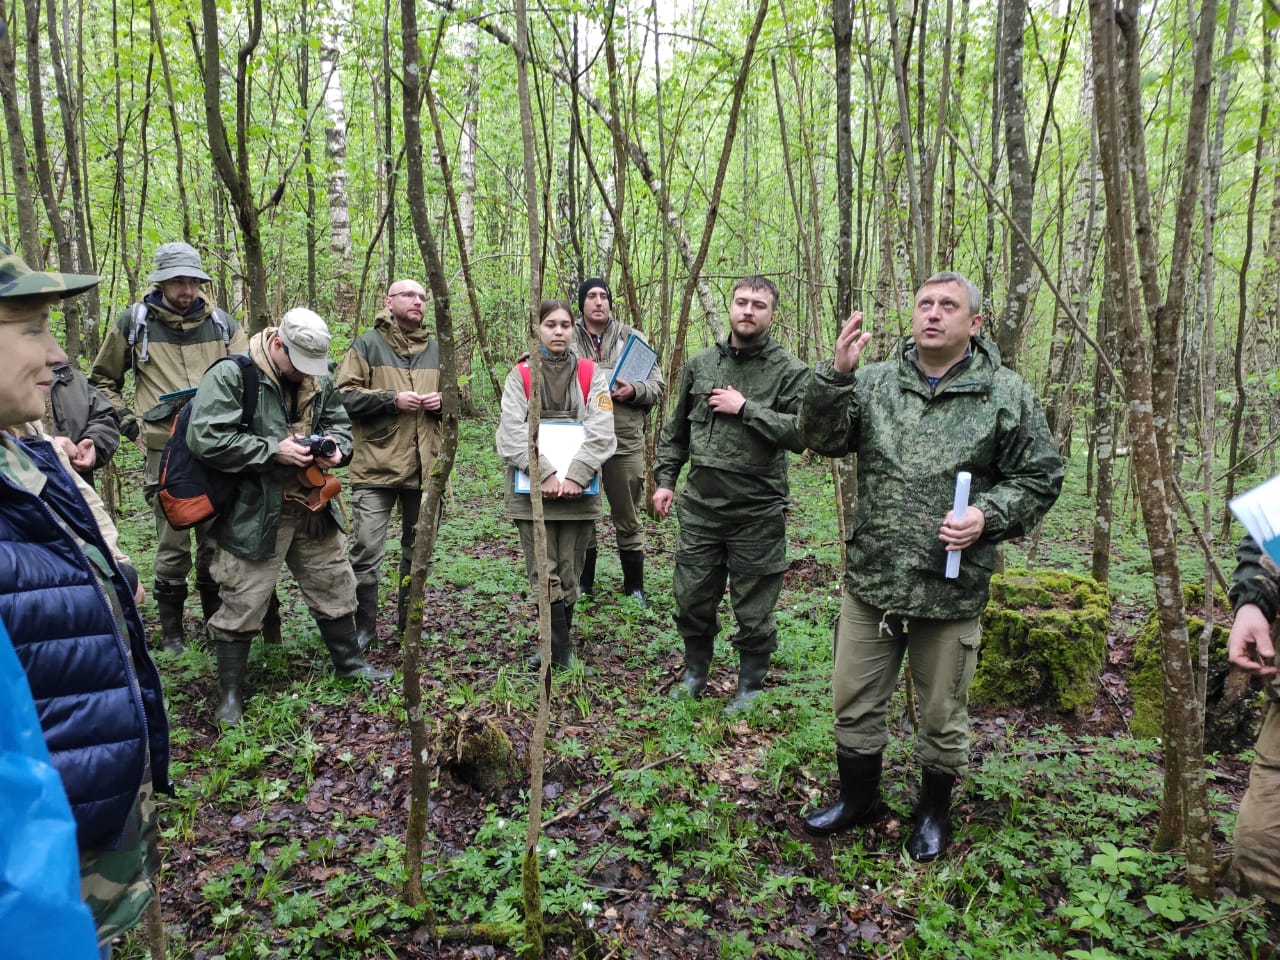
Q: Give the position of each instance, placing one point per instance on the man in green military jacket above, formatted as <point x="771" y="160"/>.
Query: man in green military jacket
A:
<point x="733" y="420"/>
<point x="942" y="404"/>
<point x="280" y="513"/>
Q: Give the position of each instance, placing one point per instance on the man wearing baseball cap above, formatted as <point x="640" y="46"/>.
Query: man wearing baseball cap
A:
<point x="69" y="610"/>
<point x="167" y="339"/>
<point x="284" y="510"/>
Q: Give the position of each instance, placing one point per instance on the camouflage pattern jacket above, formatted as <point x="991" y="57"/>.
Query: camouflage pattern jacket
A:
<point x="173" y="355"/>
<point x="248" y="528"/>
<point x="631" y="418"/>
<point x="1256" y="580"/>
<point x="393" y="448"/>
<point x="561" y="400"/>
<point x="737" y="464"/>
<point x="911" y="441"/>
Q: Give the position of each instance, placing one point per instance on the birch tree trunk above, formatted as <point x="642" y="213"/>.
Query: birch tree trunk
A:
<point x="344" y="291"/>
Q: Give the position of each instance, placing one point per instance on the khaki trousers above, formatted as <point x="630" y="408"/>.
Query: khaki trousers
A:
<point x="318" y="562"/>
<point x="567" y="542"/>
<point x="1257" y="838"/>
<point x="869" y="647"/>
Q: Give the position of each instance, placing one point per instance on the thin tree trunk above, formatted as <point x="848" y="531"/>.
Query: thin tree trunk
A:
<point x="1184" y="810"/>
<point x="532" y="885"/>
<point x="344" y="294"/>
<point x="434" y="490"/>
<point x="1009" y="322"/>
<point x="28" y="231"/>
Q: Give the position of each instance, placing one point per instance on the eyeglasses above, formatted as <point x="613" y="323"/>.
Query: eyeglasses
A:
<point x="411" y="295"/>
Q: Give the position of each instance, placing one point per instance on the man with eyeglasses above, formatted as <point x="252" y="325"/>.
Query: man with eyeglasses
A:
<point x="168" y="339"/>
<point x="390" y="384"/>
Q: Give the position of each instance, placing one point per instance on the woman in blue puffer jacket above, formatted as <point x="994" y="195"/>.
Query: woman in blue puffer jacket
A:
<point x="69" y="607"/>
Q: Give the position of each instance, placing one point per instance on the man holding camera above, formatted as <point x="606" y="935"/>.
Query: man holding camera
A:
<point x="285" y="509"/>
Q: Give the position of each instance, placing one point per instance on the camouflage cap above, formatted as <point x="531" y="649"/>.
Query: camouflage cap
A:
<point x="177" y="259"/>
<point x="19" y="280"/>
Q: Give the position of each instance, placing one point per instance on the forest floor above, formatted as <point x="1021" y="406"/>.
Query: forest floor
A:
<point x="670" y="830"/>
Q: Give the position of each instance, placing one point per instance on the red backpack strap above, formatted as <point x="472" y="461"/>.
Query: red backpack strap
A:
<point x="586" y="370"/>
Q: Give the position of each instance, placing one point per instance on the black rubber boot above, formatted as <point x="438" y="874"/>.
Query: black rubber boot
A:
<point x="561" y="642"/>
<point x="697" y="667"/>
<point x="366" y="614"/>
<point x="210" y="597"/>
<point x="859" y="800"/>
<point x="171" y="599"/>
<point x="752" y="669"/>
<point x="587" y="580"/>
<point x="633" y="575"/>
<point x="348" y="662"/>
<point x="931" y="834"/>
<point x="232" y="651"/>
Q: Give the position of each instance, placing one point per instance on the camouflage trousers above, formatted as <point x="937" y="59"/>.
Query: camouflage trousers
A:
<point x="118" y="884"/>
<point x="371" y="509"/>
<point x="315" y="550"/>
<point x="622" y="477"/>
<point x="1257" y="837"/>
<point x="567" y="542"/>
<point x="173" y="547"/>
<point x="869" y="647"/>
<point x="750" y="556"/>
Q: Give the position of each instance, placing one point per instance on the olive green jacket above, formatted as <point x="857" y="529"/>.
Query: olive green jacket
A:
<point x="737" y="464"/>
<point x="595" y="413"/>
<point x="173" y="355"/>
<point x="394" y="448"/>
<point x="248" y="528"/>
<point x="911" y="441"/>
<point x="631" y="418"/>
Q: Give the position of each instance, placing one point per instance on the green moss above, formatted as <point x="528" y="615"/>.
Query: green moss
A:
<point x="1044" y="641"/>
<point x="1230" y="722"/>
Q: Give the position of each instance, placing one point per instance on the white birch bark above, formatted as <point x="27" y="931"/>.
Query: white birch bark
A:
<point x="344" y="295"/>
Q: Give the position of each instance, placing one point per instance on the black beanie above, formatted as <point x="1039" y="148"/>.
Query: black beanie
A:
<point x="588" y="286"/>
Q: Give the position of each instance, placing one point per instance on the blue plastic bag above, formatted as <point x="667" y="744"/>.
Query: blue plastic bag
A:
<point x="41" y="913"/>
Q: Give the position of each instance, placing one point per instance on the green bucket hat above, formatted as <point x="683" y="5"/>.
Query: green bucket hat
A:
<point x="19" y="280"/>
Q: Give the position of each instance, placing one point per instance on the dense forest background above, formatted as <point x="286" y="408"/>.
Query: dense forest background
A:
<point x="1105" y="171"/>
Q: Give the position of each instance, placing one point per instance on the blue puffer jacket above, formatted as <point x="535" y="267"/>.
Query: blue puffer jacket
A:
<point x="96" y="710"/>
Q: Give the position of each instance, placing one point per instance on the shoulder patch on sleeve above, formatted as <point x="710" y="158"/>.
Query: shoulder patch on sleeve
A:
<point x="605" y="402"/>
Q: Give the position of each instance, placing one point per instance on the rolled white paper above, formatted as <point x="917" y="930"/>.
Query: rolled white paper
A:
<point x="958" y="508"/>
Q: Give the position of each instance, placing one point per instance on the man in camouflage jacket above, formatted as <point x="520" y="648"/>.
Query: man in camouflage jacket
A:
<point x="733" y="419"/>
<point x="168" y="340"/>
<point x="390" y="385"/>
<point x="942" y="404"/>
<point x="601" y="338"/>
<point x="1255" y="596"/>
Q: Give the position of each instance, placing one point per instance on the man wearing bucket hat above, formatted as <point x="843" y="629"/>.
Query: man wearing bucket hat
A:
<point x="281" y="513"/>
<point x="168" y="339"/>
<point x="98" y="696"/>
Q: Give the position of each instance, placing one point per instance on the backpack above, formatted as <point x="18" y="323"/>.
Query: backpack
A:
<point x="191" y="491"/>
<point x="139" y="333"/>
<point x="586" y="370"/>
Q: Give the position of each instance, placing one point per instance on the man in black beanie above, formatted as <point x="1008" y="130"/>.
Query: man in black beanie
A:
<point x="599" y="337"/>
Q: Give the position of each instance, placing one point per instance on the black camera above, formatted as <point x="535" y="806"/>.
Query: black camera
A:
<point x="320" y="447"/>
